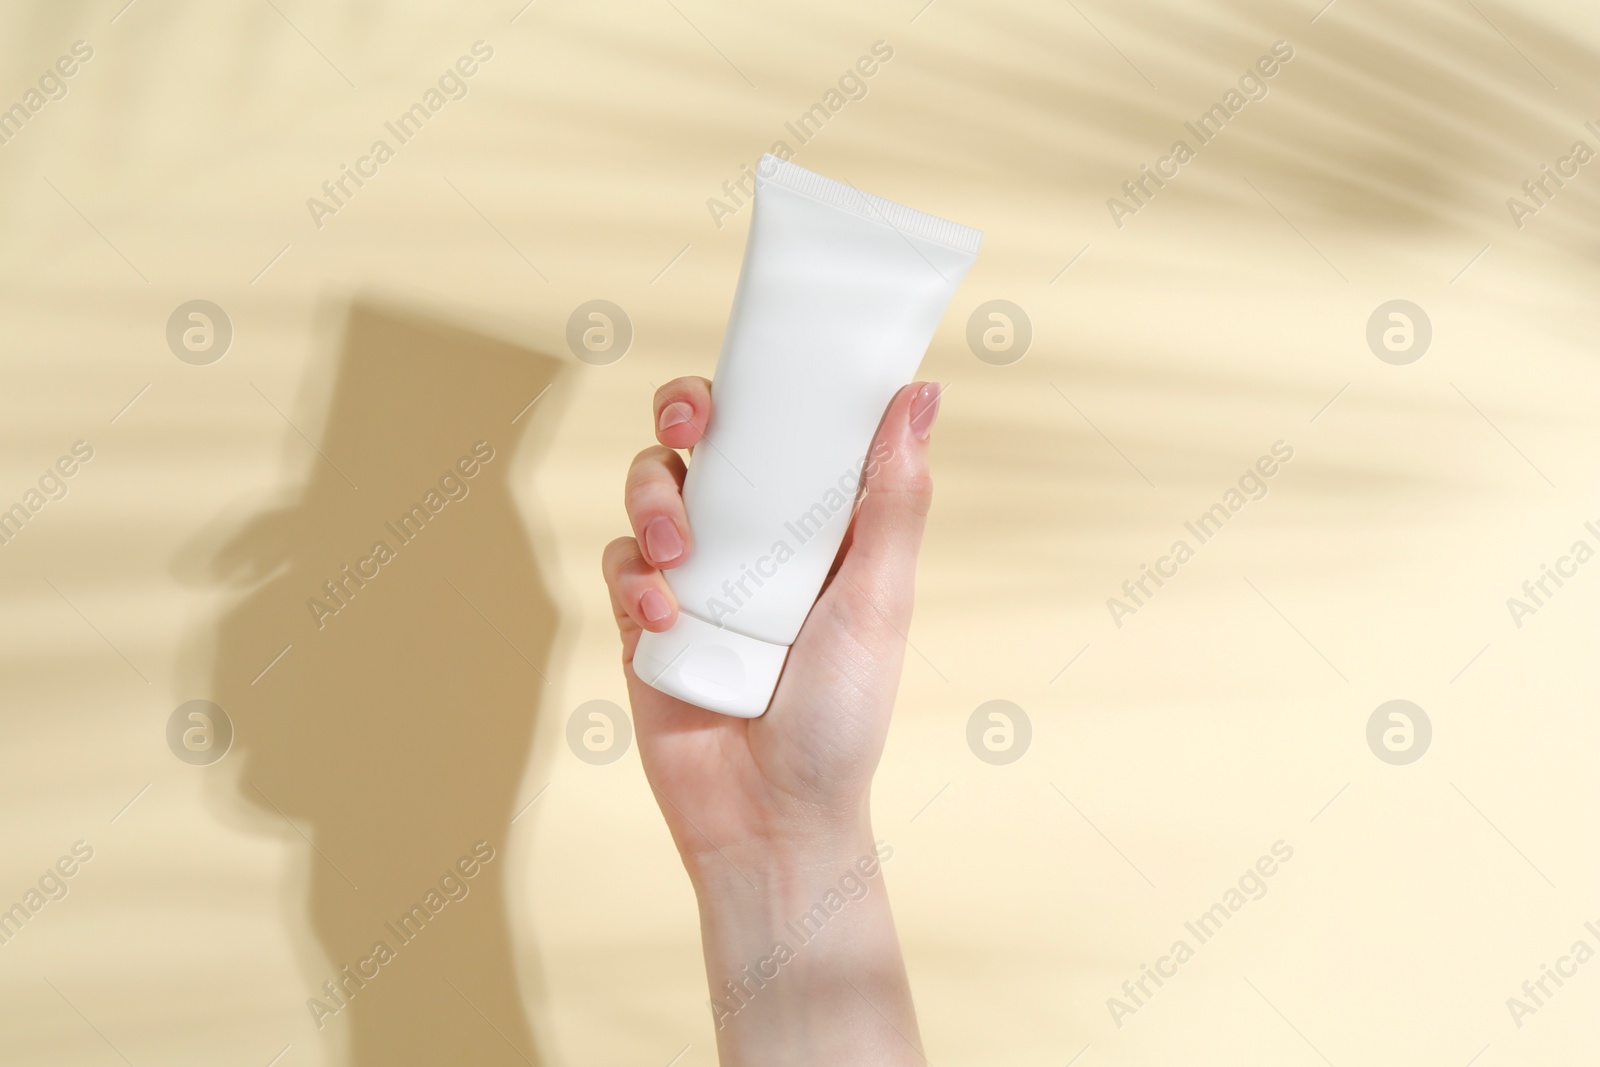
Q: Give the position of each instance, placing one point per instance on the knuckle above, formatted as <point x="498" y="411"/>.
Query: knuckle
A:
<point x="673" y="389"/>
<point x="910" y="486"/>
<point x="617" y="554"/>
<point x="919" y="495"/>
<point x="648" y="460"/>
<point x="648" y="468"/>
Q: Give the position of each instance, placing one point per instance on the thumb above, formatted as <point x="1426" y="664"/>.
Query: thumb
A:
<point x="880" y="562"/>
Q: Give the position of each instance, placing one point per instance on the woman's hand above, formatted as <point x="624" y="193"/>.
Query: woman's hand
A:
<point x="771" y="814"/>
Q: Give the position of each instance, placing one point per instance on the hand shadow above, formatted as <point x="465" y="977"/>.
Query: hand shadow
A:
<point x="388" y="739"/>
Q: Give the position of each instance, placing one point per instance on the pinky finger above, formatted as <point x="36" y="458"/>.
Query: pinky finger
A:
<point x="640" y="596"/>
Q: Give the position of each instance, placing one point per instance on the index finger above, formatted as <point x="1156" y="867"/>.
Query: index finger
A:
<point x="682" y="409"/>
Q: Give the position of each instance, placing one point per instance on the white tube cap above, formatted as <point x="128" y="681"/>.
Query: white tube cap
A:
<point x="710" y="667"/>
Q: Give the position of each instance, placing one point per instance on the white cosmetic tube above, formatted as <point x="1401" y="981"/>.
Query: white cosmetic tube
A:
<point x="838" y="298"/>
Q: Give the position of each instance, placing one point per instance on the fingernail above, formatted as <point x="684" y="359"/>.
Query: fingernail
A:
<point x="674" y="414"/>
<point x="661" y="540"/>
<point x="924" y="409"/>
<point x="654" y="606"/>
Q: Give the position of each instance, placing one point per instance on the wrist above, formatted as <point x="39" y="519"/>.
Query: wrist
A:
<point x="801" y="953"/>
<point x="783" y="875"/>
<point x="778" y="865"/>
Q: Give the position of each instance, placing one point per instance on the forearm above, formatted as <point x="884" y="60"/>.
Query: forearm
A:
<point x="802" y="959"/>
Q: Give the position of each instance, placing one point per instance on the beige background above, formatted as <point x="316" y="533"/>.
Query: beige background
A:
<point x="1227" y="715"/>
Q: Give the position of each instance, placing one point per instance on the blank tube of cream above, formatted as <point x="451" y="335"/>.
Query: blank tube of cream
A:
<point x="838" y="298"/>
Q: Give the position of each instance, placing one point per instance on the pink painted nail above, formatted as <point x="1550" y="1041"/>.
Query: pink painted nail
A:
<point x="654" y="606"/>
<point x="924" y="409"/>
<point x="674" y="414"/>
<point x="661" y="540"/>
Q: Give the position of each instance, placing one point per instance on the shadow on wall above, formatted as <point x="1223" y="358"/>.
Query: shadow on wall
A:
<point x="389" y="741"/>
<point x="1393" y="119"/>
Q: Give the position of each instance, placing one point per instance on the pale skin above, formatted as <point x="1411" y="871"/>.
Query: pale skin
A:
<point x="771" y="814"/>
